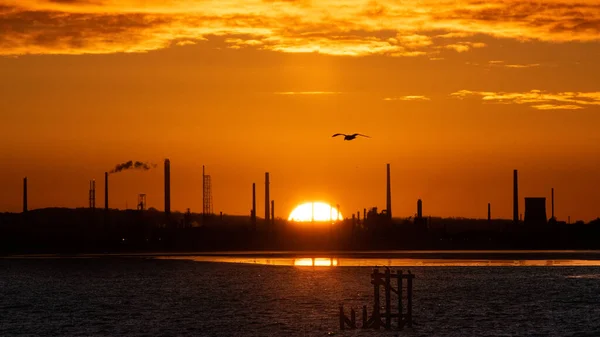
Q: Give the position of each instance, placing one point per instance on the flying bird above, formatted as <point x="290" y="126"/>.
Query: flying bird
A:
<point x="349" y="137"/>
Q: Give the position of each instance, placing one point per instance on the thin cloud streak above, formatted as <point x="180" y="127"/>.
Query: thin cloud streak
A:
<point x="407" y="98"/>
<point x="499" y="63"/>
<point x="556" y="107"/>
<point x="537" y="99"/>
<point x="307" y="93"/>
<point x="332" y="27"/>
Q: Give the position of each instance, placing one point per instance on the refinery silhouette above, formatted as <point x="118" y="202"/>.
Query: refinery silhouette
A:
<point x="92" y="229"/>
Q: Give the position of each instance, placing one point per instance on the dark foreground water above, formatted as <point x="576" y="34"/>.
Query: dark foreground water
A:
<point x="140" y="296"/>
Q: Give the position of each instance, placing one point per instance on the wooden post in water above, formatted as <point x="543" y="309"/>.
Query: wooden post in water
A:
<point x="341" y="317"/>
<point x="376" y="306"/>
<point x="375" y="321"/>
<point x="400" y="286"/>
<point x="388" y="298"/>
<point x="364" y="325"/>
<point x="409" y="299"/>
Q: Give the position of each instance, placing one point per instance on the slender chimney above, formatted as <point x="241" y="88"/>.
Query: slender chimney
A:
<point x="94" y="194"/>
<point x="489" y="212"/>
<point x="253" y="214"/>
<point x="389" y="194"/>
<point x="25" y="195"/>
<point x="167" y="187"/>
<point x="106" y="191"/>
<point x="552" y="203"/>
<point x="267" y="198"/>
<point x="90" y="195"/>
<point x="515" y="197"/>
<point x="419" y="209"/>
<point x="273" y="211"/>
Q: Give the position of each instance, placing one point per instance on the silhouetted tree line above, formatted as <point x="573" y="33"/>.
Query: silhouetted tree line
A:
<point x="82" y="230"/>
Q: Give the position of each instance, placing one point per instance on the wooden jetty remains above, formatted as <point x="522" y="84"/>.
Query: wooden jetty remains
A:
<point x="378" y="319"/>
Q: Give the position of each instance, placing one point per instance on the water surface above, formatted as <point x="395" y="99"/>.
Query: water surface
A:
<point x="184" y="295"/>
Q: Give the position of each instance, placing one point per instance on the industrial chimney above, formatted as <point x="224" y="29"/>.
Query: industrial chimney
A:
<point x="25" y="195"/>
<point x="389" y="194"/>
<point x="106" y="191"/>
<point x="273" y="211"/>
<point x="552" y="203"/>
<point x="419" y="209"/>
<point x="515" y="197"/>
<point x="167" y="186"/>
<point x="267" y="198"/>
<point x="253" y="214"/>
<point x="92" y="194"/>
<point x="489" y="212"/>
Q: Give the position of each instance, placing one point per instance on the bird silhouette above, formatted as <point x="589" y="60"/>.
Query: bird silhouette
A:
<point x="349" y="137"/>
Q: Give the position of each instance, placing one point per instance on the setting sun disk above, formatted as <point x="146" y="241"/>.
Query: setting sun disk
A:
<point x="315" y="211"/>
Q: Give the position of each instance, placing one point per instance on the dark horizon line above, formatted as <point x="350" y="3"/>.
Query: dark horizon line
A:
<point x="263" y="219"/>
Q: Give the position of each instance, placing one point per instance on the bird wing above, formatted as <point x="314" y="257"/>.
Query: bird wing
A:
<point x="338" y="134"/>
<point x="358" y="134"/>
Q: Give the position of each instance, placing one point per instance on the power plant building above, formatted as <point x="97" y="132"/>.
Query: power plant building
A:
<point x="535" y="211"/>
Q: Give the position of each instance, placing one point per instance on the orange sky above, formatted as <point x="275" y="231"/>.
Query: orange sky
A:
<point x="456" y="94"/>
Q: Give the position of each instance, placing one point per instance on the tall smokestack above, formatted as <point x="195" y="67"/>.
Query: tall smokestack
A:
<point x="25" y="195"/>
<point x="389" y="194"/>
<point x="203" y="193"/>
<point x="273" y="211"/>
<point x="267" y="198"/>
<point x="489" y="212"/>
<point x="106" y="191"/>
<point x="94" y="193"/>
<point x="167" y="186"/>
<point x="552" y="203"/>
<point x="253" y="215"/>
<point x="419" y="209"/>
<point x="515" y="197"/>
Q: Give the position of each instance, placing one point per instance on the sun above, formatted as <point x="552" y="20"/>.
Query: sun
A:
<point x="315" y="211"/>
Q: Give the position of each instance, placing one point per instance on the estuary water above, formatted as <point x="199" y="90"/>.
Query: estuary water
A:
<point x="284" y="294"/>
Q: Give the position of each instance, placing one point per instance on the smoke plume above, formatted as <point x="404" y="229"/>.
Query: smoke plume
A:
<point x="132" y="165"/>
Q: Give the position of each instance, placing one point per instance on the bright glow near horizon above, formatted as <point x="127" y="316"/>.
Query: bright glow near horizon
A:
<point x="316" y="262"/>
<point x="315" y="211"/>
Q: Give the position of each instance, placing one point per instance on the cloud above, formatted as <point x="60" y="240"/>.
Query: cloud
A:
<point x="497" y="63"/>
<point x="520" y="66"/>
<point x="464" y="46"/>
<point x="556" y="107"/>
<point x="537" y="99"/>
<point x="333" y="27"/>
<point x="307" y="93"/>
<point x="407" y="98"/>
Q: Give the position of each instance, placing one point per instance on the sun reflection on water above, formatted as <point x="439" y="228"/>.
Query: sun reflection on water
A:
<point x="372" y="262"/>
<point x="316" y="262"/>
